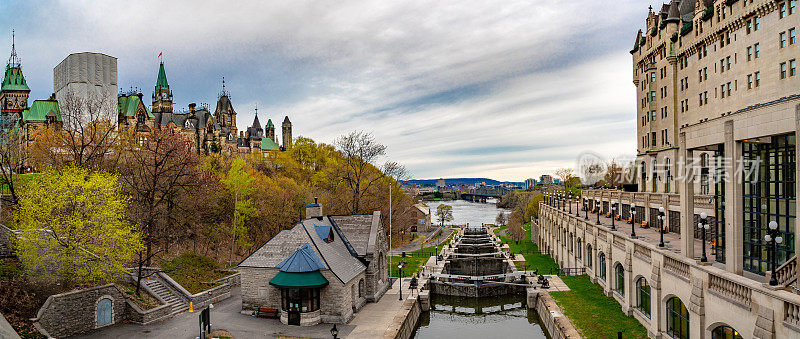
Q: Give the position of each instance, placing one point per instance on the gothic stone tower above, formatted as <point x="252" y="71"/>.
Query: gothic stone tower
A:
<point x="14" y="90"/>
<point x="287" y="133"/>
<point x="225" y="114"/>
<point x="269" y="130"/>
<point x="162" y="96"/>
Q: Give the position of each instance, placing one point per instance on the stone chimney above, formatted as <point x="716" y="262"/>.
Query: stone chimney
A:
<point x="191" y="107"/>
<point x="314" y="210"/>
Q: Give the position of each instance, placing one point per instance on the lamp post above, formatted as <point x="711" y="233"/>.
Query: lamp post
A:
<point x="563" y="201"/>
<point x="703" y="226"/>
<point x="400" y="287"/>
<point x="661" y="225"/>
<point x="633" y="215"/>
<point x="334" y="332"/>
<point x="577" y="208"/>
<point x="613" y="210"/>
<point x="569" y="198"/>
<point x="597" y="204"/>
<point x="773" y="237"/>
<point x="586" y="209"/>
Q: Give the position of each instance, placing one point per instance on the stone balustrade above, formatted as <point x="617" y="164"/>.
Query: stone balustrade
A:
<point x="787" y="273"/>
<point x="712" y="296"/>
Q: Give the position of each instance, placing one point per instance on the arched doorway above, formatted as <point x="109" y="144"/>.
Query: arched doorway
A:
<point x="105" y="314"/>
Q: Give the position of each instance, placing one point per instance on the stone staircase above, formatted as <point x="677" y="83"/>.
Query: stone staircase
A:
<point x="166" y="293"/>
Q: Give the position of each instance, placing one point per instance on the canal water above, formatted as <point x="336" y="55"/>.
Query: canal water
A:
<point x="467" y="318"/>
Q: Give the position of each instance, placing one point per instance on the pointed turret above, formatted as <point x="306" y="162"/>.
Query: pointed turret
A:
<point x="14" y="89"/>
<point x="270" y="130"/>
<point x="286" y="128"/>
<point x="161" y="82"/>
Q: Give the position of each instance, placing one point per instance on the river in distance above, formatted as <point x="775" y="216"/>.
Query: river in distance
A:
<point x="465" y="212"/>
<point x="479" y="318"/>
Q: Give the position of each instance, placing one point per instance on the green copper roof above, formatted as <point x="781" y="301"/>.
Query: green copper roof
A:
<point x="269" y="123"/>
<point x="313" y="279"/>
<point x="268" y="145"/>
<point x="14" y="80"/>
<point x="128" y="104"/>
<point x="40" y="109"/>
<point x="161" y="82"/>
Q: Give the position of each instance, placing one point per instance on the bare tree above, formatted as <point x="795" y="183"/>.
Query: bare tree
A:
<point x="359" y="172"/>
<point x="13" y="158"/>
<point x="89" y="132"/>
<point x="159" y="169"/>
<point x="565" y="174"/>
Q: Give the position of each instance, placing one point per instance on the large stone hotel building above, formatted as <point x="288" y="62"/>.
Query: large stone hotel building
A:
<point x="718" y="112"/>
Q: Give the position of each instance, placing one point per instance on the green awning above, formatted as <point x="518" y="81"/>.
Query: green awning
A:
<point x="299" y="280"/>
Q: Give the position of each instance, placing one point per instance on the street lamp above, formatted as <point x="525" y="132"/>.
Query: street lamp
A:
<point x="598" y="210"/>
<point x="586" y="208"/>
<point x="773" y="234"/>
<point x="613" y="209"/>
<point x="633" y="216"/>
<point x="569" y="198"/>
<point x="334" y="332"/>
<point x="661" y="225"/>
<point x="703" y="226"/>
<point x="400" y="287"/>
<point x="577" y="208"/>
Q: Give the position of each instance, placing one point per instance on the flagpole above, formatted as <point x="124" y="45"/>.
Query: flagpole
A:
<point x="390" y="227"/>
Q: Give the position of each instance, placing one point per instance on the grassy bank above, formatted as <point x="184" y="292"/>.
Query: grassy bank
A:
<point x="414" y="259"/>
<point x="593" y="313"/>
<point x="194" y="272"/>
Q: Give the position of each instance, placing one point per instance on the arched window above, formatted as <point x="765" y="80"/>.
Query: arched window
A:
<point x="570" y="243"/>
<point x="589" y="256"/>
<point x="361" y="288"/>
<point x="620" y="274"/>
<point x="643" y="296"/>
<point x="580" y="249"/>
<point x="602" y="266"/>
<point x="725" y="332"/>
<point x="677" y="319"/>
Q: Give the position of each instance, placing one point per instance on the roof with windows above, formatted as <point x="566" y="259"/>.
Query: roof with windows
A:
<point x="40" y="109"/>
<point x="128" y="104"/>
<point x="14" y="80"/>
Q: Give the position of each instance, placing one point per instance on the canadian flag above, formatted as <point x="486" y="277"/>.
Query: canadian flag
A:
<point x="159" y="54"/>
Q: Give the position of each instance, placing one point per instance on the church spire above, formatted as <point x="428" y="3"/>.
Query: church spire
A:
<point x="161" y="82"/>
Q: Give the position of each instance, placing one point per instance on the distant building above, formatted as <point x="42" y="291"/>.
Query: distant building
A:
<point x="546" y="179"/>
<point x="322" y="270"/>
<point x="88" y="78"/>
<point x="440" y="183"/>
<point x="530" y="183"/>
<point x="423" y="219"/>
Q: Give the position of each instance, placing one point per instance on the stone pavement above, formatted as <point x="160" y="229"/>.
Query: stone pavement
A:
<point x="225" y="315"/>
<point x="371" y="322"/>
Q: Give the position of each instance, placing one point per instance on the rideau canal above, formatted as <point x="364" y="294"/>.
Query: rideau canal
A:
<point x="468" y="317"/>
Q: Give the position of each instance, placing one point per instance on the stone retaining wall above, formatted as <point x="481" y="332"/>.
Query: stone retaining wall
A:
<point x="6" y="243"/>
<point x="489" y="290"/>
<point x="553" y="320"/>
<point x="404" y="321"/>
<point x="70" y="313"/>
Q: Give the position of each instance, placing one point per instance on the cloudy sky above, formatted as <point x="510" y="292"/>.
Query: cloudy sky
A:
<point x="501" y="89"/>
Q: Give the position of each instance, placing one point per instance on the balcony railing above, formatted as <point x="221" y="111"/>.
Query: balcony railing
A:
<point x="786" y="274"/>
<point x="677" y="267"/>
<point x="730" y="289"/>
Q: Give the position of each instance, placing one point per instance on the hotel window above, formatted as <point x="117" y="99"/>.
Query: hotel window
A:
<point x="652" y="96"/>
<point x="783" y="70"/>
<point x="792" y="36"/>
<point x="701" y="99"/>
<point x="756" y="23"/>
<point x="719" y="204"/>
<point x="705" y="73"/>
<point x="749" y="81"/>
<point x="782" y="11"/>
<point x="757" y="49"/>
<point x="769" y="195"/>
<point x="652" y="76"/>
<point x="728" y="86"/>
<point x="653" y="136"/>
<point x="722" y="90"/>
<point x="749" y="53"/>
<point x="792" y="7"/>
<point x="687" y="104"/>
<point x="749" y="26"/>
<point x="722" y="65"/>
<point x="792" y="68"/>
<point x="653" y="116"/>
<point x="757" y="75"/>
<point x="686" y="81"/>
<point x="782" y="40"/>
<point x="700" y="74"/>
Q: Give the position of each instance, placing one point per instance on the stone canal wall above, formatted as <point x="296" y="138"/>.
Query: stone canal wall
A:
<point x="553" y="320"/>
<point x="404" y="322"/>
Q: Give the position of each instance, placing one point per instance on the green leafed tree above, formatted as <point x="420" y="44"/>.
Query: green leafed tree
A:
<point x="444" y="213"/>
<point x="532" y="209"/>
<point x="240" y="185"/>
<point x="74" y="227"/>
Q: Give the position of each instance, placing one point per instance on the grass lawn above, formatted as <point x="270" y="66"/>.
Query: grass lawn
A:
<point x="144" y="300"/>
<point x="533" y="259"/>
<point x="415" y="259"/>
<point x="194" y="271"/>
<point x="594" y="314"/>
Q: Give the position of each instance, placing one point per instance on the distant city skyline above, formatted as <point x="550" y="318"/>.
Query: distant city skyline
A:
<point x="505" y="91"/>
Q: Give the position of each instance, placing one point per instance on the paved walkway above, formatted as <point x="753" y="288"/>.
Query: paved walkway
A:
<point x="672" y="241"/>
<point x="373" y="320"/>
<point x="225" y="315"/>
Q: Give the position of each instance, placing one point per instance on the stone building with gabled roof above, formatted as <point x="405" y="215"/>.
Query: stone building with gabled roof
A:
<point x="324" y="269"/>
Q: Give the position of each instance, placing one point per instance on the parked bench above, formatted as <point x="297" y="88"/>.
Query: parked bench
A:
<point x="264" y="312"/>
